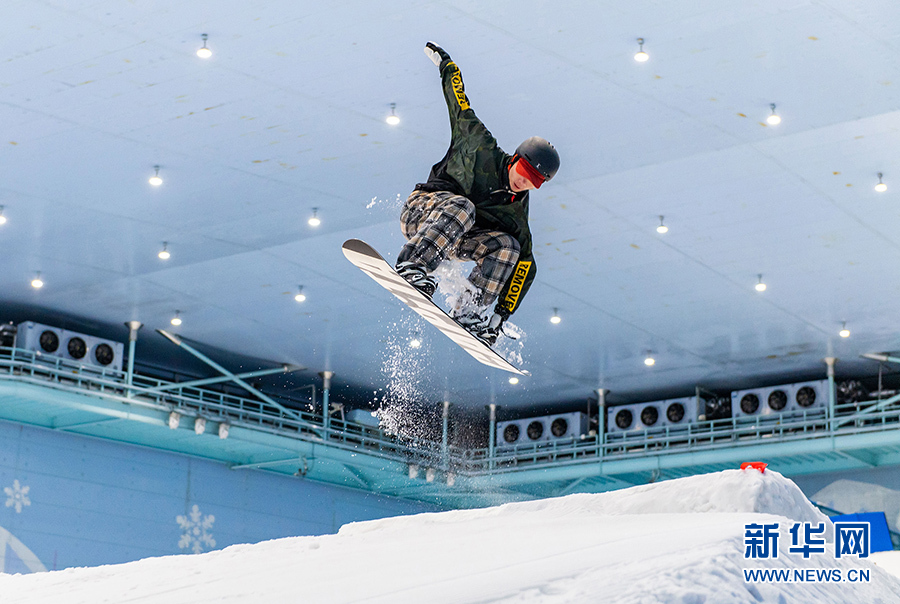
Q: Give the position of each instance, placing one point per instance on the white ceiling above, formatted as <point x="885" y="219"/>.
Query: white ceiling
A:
<point x="288" y="115"/>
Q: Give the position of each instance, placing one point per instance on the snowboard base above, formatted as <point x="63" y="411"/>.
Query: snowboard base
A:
<point x="375" y="266"/>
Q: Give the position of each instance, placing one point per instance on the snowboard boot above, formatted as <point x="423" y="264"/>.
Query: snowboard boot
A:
<point x="416" y="275"/>
<point x="482" y="327"/>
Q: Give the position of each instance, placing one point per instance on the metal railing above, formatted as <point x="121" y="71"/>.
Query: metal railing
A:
<point x="310" y="425"/>
<point x="854" y="418"/>
<point x="62" y="374"/>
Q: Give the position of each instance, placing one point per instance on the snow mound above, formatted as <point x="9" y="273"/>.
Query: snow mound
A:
<point x="887" y="561"/>
<point x="730" y="491"/>
<point x="613" y="547"/>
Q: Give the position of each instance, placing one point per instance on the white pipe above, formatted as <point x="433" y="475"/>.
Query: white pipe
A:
<point x="445" y="436"/>
<point x="493" y="433"/>
<point x="133" y="327"/>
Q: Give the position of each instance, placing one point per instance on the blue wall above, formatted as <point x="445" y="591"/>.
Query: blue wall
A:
<point x="79" y="501"/>
<point x="887" y="476"/>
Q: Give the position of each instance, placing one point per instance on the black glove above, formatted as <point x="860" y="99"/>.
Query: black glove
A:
<point x="436" y="53"/>
<point x="502" y="315"/>
<point x="501" y="309"/>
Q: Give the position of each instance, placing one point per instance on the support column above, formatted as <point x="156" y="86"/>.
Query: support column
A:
<point x="831" y="391"/>
<point x="492" y="437"/>
<point x="326" y="405"/>
<point x="133" y="327"/>
<point x="601" y="418"/>
<point x="445" y="436"/>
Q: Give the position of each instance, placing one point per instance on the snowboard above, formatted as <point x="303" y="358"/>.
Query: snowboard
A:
<point x="374" y="265"/>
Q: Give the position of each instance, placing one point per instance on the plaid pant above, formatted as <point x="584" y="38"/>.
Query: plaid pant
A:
<point x="441" y="224"/>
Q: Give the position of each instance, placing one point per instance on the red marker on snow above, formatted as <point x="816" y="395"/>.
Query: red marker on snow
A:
<point x="756" y="465"/>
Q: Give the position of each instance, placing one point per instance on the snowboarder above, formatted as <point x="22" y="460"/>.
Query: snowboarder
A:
<point x="474" y="206"/>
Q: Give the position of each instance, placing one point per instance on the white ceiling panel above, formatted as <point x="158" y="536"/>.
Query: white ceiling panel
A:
<point x="288" y="115"/>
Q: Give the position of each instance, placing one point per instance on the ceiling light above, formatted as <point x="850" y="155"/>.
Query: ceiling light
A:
<point x="37" y="283"/>
<point x="555" y="319"/>
<point x="844" y="332"/>
<point x="204" y="52"/>
<point x="773" y="119"/>
<point x="649" y="361"/>
<point x="513" y="380"/>
<point x="300" y="297"/>
<point x="174" y="420"/>
<point x="176" y="320"/>
<point x="199" y="425"/>
<point x="641" y="56"/>
<point x="2" y="217"/>
<point x="662" y="228"/>
<point x="880" y="187"/>
<point x="164" y="253"/>
<point x="314" y="221"/>
<point x="392" y="119"/>
<point x="415" y="342"/>
<point x="760" y="286"/>
<point x="155" y="180"/>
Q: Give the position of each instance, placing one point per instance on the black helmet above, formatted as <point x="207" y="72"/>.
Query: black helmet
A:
<point x="541" y="155"/>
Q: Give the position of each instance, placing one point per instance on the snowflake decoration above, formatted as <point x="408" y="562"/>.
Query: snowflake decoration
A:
<point x="17" y="496"/>
<point x="196" y="531"/>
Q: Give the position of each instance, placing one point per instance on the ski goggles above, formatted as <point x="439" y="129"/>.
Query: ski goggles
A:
<point x="527" y="170"/>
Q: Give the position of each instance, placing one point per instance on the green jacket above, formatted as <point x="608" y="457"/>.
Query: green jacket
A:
<point x="477" y="168"/>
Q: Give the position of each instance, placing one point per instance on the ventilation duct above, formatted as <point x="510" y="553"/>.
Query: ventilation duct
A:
<point x="87" y="351"/>
<point x="781" y="401"/>
<point x="652" y="416"/>
<point x="541" y="430"/>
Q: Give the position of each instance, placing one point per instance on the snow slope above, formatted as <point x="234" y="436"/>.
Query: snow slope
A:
<point x="852" y="496"/>
<point x="678" y="541"/>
